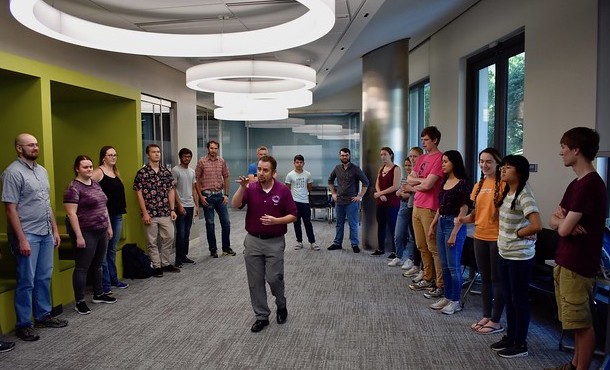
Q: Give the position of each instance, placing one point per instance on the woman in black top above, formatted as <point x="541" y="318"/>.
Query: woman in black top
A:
<point x="107" y="175"/>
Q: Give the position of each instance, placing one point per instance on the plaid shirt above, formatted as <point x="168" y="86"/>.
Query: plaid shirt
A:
<point x="210" y="173"/>
<point x="155" y="187"/>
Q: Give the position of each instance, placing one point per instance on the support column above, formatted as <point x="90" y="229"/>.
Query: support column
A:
<point x="385" y="119"/>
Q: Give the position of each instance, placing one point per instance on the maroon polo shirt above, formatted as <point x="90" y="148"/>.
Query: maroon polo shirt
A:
<point x="277" y="203"/>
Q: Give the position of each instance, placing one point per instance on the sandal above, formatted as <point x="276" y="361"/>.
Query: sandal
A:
<point x="480" y="324"/>
<point x="487" y="329"/>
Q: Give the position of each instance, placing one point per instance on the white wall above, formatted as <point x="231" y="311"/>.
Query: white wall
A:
<point x="560" y="83"/>
<point x="138" y="72"/>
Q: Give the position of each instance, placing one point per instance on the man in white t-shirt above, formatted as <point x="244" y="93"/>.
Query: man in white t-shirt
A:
<point x="299" y="181"/>
<point x="186" y="205"/>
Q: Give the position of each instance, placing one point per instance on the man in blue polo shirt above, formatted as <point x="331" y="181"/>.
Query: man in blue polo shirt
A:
<point x="270" y="209"/>
<point x="32" y="234"/>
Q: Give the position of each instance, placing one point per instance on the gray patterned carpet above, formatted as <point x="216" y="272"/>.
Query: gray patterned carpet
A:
<point x="346" y="311"/>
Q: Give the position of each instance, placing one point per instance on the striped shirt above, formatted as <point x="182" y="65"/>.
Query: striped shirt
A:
<point x="509" y="245"/>
<point x="210" y="173"/>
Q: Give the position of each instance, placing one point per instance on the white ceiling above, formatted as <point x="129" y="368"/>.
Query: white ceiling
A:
<point x="360" y="27"/>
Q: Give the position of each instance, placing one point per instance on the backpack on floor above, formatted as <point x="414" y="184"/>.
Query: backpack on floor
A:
<point x="136" y="263"/>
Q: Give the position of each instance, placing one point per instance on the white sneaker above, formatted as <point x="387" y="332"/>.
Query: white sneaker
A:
<point x="407" y="265"/>
<point x="298" y="246"/>
<point x="411" y="272"/>
<point x="315" y="247"/>
<point x="419" y="277"/>
<point x="394" y="262"/>
<point x="452" y="307"/>
<point x="440" y="304"/>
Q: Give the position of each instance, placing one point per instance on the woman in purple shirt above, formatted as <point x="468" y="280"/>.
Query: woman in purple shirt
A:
<point x="89" y="228"/>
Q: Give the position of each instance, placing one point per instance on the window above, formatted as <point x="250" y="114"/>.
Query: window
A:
<point x="495" y="91"/>
<point x="157" y="122"/>
<point x="419" y="111"/>
<point x="208" y="128"/>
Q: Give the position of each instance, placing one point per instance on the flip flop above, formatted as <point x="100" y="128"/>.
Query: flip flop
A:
<point x="476" y="326"/>
<point x="486" y="329"/>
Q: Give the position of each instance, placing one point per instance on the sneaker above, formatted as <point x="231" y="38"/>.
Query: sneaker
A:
<point x="50" y="322"/>
<point x="355" y="248"/>
<point x="334" y="247"/>
<point x="228" y="252"/>
<point x="452" y="307"/>
<point x="108" y="292"/>
<point x="377" y="253"/>
<point x="413" y="271"/>
<point x="158" y="272"/>
<point x="434" y="293"/>
<point x="7" y="346"/>
<point x="171" y="268"/>
<point x="179" y="265"/>
<point x="419" y="277"/>
<point x="503" y="343"/>
<point x="315" y="247"/>
<point x="187" y="260"/>
<point x="214" y="254"/>
<point x="408" y="265"/>
<point x="391" y="256"/>
<point x="121" y="285"/>
<point x="394" y="262"/>
<point x="516" y="350"/>
<point x="421" y="285"/>
<point x="298" y="246"/>
<point x="103" y="299"/>
<point x="82" y="308"/>
<point x="440" y="304"/>
<point x="27" y="334"/>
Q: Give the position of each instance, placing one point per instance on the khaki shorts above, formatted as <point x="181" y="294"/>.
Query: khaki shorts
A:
<point x="573" y="293"/>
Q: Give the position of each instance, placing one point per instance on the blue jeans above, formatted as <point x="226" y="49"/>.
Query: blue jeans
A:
<point x="215" y="203"/>
<point x="351" y="211"/>
<point x="33" y="289"/>
<point x="515" y="278"/>
<point x="450" y="257"/>
<point x="401" y="234"/>
<point x="304" y="213"/>
<point x="183" y="233"/>
<point x="386" y="218"/>
<point x="109" y="272"/>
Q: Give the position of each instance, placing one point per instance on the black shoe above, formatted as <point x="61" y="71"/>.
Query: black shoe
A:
<point x="187" y="260"/>
<point x="82" y="308"/>
<point x="178" y="265"/>
<point x="7" y="346"/>
<point x="228" y="252"/>
<point x="50" y="322"/>
<point x="27" y="334"/>
<point x="158" y="272"/>
<point x="214" y="254"/>
<point x="377" y="253"/>
<point x="503" y="343"/>
<point x="355" y="248"/>
<point x="171" y="268"/>
<point x="392" y="256"/>
<point x="104" y="298"/>
<point x="259" y="325"/>
<point x="334" y="247"/>
<point x="282" y="315"/>
<point x="516" y="350"/>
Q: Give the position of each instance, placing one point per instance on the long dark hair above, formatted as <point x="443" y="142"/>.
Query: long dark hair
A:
<point x="498" y="158"/>
<point x="456" y="160"/>
<point x="103" y="151"/>
<point x="522" y="166"/>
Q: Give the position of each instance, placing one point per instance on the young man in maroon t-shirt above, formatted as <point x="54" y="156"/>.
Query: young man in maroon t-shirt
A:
<point x="579" y="219"/>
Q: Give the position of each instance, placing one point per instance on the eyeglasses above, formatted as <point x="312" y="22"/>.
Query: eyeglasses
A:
<point x="112" y="155"/>
<point x="30" y="145"/>
<point x="506" y="168"/>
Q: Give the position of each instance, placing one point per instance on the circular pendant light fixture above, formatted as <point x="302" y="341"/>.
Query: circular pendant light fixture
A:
<point x="250" y="77"/>
<point x="47" y="20"/>
<point x="250" y="113"/>
<point x="289" y="99"/>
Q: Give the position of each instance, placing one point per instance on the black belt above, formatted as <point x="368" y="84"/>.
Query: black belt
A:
<point x="265" y="236"/>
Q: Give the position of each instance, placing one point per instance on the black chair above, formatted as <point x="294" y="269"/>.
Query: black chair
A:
<point x="319" y="198"/>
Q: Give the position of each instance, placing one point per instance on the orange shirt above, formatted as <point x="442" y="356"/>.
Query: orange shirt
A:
<point x="486" y="221"/>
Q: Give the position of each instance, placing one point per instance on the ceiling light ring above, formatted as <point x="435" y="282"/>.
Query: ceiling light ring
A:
<point x="43" y="18"/>
<point x="290" y="99"/>
<point x="241" y="114"/>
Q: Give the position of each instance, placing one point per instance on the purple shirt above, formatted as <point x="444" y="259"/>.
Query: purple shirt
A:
<point x="91" y="201"/>
<point x="582" y="253"/>
<point x="277" y="203"/>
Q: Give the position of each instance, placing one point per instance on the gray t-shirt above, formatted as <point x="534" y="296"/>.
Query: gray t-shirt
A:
<point x="28" y="188"/>
<point x="185" y="178"/>
<point x="298" y="185"/>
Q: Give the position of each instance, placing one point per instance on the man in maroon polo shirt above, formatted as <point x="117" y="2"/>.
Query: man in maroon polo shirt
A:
<point x="270" y="210"/>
